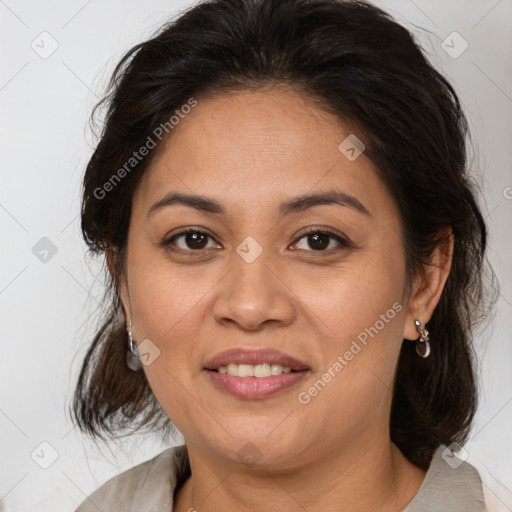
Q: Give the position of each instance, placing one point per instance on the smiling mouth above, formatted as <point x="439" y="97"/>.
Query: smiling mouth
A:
<point x="259" y="370"/>
<point x="254" y="387"/>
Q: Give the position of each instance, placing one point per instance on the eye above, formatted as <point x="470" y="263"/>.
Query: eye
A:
<point x="321" y="241"/>
<point x="191" y="239"/>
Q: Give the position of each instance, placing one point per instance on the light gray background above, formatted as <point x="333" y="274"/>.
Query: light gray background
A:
<point x="49" y="308"/>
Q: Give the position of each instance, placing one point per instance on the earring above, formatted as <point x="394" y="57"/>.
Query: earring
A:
<point x="422" y="344"/>
<point x="132" y="354"/>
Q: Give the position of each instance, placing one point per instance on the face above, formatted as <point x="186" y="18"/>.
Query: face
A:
<point x="320" y="281"/>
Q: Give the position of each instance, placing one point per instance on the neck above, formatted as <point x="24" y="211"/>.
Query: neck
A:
<point x="352" y="479"/>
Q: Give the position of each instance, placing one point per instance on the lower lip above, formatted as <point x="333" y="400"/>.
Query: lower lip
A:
<point x="255" y="388"/>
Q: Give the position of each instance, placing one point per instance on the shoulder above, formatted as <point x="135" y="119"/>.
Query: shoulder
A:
<point x="451" y="485"/>
<point x="147" y="486"/>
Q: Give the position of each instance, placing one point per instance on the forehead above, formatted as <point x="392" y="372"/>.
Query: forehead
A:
<point x="257" y="125"/>
<point x="257" y="147"/>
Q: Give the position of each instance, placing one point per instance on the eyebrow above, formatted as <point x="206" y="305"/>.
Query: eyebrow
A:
<point x="297" y="204"/>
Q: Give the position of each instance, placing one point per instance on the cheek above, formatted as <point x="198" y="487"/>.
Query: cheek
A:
<point x="166" y="299"/>
<point x="168" y="309"/>
<point x="367" y="293"/>
<point x="353" y="386"/>
<point x="364" y="310"/>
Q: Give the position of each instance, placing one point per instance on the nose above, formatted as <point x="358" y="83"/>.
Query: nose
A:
<point x="254" y="294"/>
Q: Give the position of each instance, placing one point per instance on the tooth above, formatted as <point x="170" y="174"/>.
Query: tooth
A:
<point x="232" y="369"/>
<point x="276" y="369"/>
<point x="262" y="370"/>
<point x="245" y="370"/>
<point x="249" y="370"/>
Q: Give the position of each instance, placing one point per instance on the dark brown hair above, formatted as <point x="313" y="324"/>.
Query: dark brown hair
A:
<point x="368" y="70"/>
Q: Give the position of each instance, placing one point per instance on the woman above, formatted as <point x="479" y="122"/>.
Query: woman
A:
<point x="295" y="255"/>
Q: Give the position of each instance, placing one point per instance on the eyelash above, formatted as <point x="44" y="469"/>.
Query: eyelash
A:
<point x="342" y="241"/>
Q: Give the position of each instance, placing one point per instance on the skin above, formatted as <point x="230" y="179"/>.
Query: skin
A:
<point x="250" y="151"/>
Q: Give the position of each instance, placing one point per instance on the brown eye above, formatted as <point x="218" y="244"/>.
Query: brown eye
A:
<point x="188" y="240"/>
<point x="318" y="241"/>
<point x="321" y="241"/>
<point x="195" y="240"/>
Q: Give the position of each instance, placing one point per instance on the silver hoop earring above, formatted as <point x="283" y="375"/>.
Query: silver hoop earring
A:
<point x="132" y="354"/>
<point x="422" y="344"/>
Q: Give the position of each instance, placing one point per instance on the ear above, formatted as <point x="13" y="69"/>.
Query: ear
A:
<point x="429" y="284"/>
<point x="120" y="284"/>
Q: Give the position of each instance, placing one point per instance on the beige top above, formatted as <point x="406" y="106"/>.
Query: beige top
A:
<point x="449" y="486"/>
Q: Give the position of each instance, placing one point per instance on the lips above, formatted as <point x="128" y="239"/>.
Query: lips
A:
<point x="254" y="357"/>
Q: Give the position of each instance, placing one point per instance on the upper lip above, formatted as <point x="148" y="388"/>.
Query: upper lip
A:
<point x="254" y="357"/>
